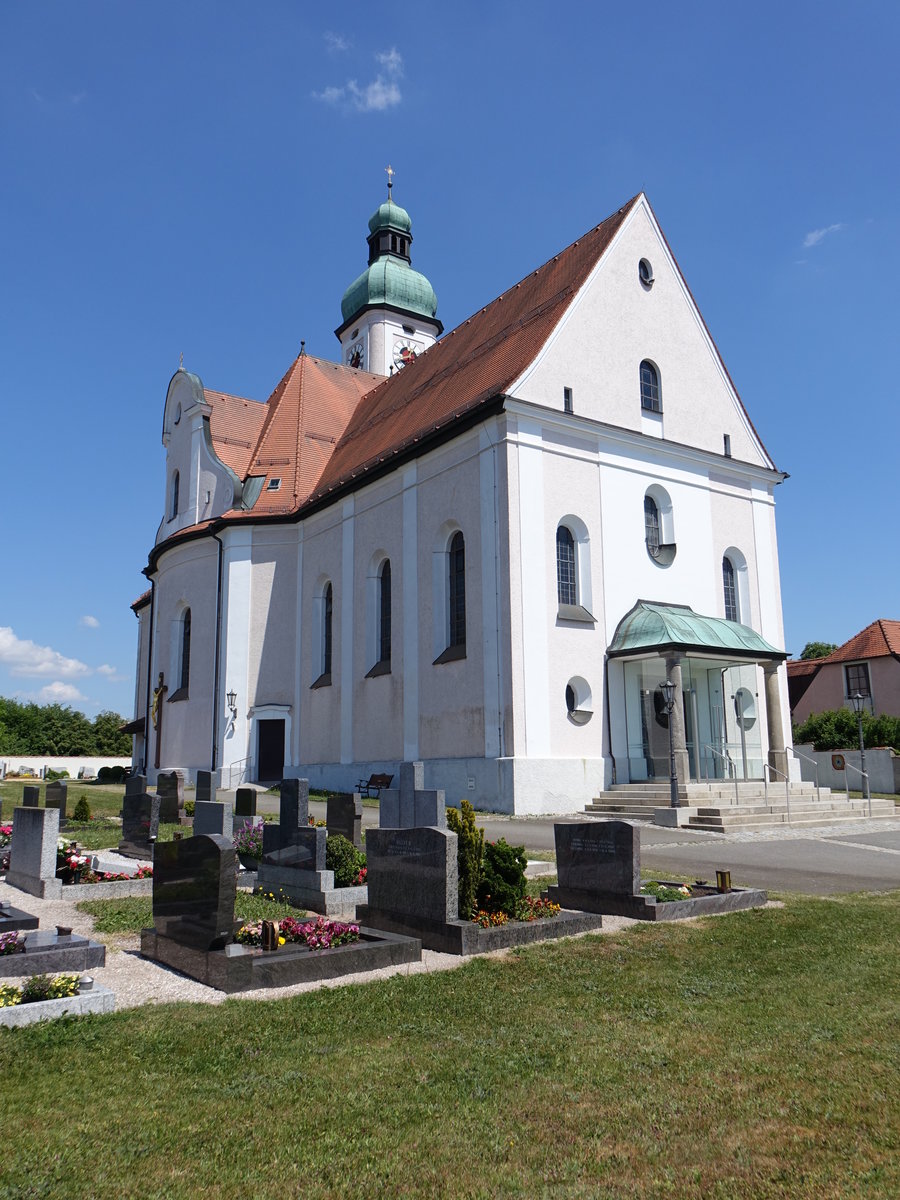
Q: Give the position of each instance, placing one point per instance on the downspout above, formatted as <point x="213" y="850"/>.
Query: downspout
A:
<point x="215" y="721"/>
<point x="147" y="722"/>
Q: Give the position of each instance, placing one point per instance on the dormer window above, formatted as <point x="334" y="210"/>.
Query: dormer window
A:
<point x="274" y="484"/>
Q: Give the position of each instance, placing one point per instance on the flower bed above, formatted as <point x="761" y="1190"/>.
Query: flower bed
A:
<point x="45" y="997"/>
<point x="320" y="934"/>
<point x="12" y="943"/>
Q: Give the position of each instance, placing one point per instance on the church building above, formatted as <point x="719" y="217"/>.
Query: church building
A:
<point x="486" y="549"/>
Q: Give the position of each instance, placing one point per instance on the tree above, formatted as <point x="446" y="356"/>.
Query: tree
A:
<point x="816" y="650"/>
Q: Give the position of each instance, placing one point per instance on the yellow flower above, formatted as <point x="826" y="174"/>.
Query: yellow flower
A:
<point x="281" y="941"/>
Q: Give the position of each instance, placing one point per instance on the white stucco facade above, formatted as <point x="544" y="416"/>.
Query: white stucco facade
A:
<point x="529" y="713"/>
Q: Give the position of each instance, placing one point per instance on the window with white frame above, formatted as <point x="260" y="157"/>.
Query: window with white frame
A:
<point x="856" y="676"/>
<point x="650" y="393"/>
<point x="566" y="589"/>
<point x="323" y="614"/>
<point x="659" y="525"/>
<point x="573" y="570"/>
<point x="729" y="589"/>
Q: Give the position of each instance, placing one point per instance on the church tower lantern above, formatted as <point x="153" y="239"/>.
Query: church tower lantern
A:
<point x="389" y="312"/>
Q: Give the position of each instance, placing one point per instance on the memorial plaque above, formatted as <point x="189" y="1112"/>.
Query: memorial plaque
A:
<point x="194" y="886"/>
<point x="413" y="871"/>
<point x="599" y="856"/>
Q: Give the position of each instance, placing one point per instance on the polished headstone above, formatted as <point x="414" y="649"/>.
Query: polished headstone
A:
<point x="140" y="824"/>
<point x="32" y="858"/>
<point x="170" y="789"/>
<point x="31" y="796"/>
<point x="410" y="805"/>
<point x="135" y="785"/>
<point x="599" y="856"/>
<point x="305" y="851"/>
<point x="205" y="790"/>
<point x="194" y="891"/>
<point x="56" y="796"/>
<point x="294" y="803"/>
<point x="213" y="817"/>
<point x="343" y="814"/>
<point x="245" y="802"/>
<point x="413" y="871"/>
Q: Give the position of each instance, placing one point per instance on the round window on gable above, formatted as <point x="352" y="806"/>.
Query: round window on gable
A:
<point x="645" y="273"/>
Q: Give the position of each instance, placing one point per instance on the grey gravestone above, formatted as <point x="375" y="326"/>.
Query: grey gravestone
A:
<point x="410" y="806"/>
<point x="413" y="872"/>
<point x="2" y="770"/>
<point x="343" y="815"/>
<point x="31" y="796"/>
<point x="194" y="891"/>
<point x="245" y="802"/>
<point x="170" y="789"/>
<point x="602" y="857"/>
<point x="32" y="859"/>
<point x="212" y="817"/>
<point x="135" y="785"/>
<point x="205" y="790"/>
<point x="304" y="851"/>
<point x="140" y="825"/>
<point x="57" y="793"/>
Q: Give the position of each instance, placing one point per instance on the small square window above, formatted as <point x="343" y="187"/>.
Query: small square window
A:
<point x="274" y="485"/>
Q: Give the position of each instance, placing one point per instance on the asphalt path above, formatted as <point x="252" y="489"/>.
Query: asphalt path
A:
<point x="828" y="860"/>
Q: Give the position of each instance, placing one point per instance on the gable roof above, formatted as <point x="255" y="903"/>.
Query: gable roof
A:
<point x="469" y="366"/>
<point x="878" y="640"/>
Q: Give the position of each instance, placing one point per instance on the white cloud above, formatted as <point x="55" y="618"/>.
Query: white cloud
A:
<point x="111" y="674"/>
<point x="60" y="693"/>
<point x="816" y="235"/>
<point x="89" y="622"/>
<point x="382" y="93"/>
<point x="27" y="658"/>
<point x="335" y="43"/>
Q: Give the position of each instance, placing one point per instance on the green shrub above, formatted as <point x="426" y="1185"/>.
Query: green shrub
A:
<point x="469" y="855"/>
<point x="503" y="877"/>
<point x="51" y="776"/>
<point x="114" y="774"/>
<point x="82" y="810"/>
<point x="838" y="729"/>
<point x="189" y="808"/>
<point x="342" y="857"/>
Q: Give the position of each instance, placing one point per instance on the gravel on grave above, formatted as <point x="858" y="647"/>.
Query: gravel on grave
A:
<point x="135" y="980"/>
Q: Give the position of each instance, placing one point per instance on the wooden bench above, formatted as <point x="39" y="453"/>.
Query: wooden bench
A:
<point x="373" y="785"/>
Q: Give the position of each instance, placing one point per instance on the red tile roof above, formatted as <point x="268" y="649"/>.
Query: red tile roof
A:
<point x="878" y="640"/>
<point x="468" y="367"/>
<point x="234" y="424"/>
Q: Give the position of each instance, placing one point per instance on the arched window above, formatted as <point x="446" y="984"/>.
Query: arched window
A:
<point x="326" y="630"/>
<point x="651" y="526"/>
<point x="185" y="674"/>
<point x="384" y="613"/>
<point x="566" y="588"/>
<point x="650" y="398"/>
<point x="173" y="507"/>
<point x="728" y="586"/>
<point x="457" y="590"/>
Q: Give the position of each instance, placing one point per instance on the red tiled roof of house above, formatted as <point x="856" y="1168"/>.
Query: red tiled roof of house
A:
<point x="142" y="600"/>
<point x="880" y="638"/>
<point x="234" y="424"/>
<point x="304" y="419"/>
<point x="471" y="365"/>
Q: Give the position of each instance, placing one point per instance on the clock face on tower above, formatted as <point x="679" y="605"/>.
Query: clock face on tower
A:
<point x="355" y="355"/>
<point x="405" y="352"/>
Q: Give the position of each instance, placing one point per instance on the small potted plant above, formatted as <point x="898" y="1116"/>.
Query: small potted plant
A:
<point x="248" y="842"/>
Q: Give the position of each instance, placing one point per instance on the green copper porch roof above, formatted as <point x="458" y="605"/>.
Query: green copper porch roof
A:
<point x="655" y="627"/>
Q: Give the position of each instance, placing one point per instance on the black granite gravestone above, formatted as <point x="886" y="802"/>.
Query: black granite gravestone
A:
<point x="135" y="785"/>
<point x="304" y="851"/>
<point x="31" y="796"/>
<point x="56" y="798"/>
<point x="170" y="789"/>
<point x="140" y="825"/>
<point x="294" y="815"/>
<point x="413" y="872"/>
<point x="205" y="789"/>
<point x="245" y="802"/>
<point x="343" y="814"/>
<point x="599" y="856"/>
<point x="194" y="890"/>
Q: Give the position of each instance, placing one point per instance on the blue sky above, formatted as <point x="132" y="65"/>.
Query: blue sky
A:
<point x="196" y="178"/>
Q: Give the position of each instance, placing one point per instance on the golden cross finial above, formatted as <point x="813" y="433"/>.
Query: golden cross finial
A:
<point x="389" y="171"/>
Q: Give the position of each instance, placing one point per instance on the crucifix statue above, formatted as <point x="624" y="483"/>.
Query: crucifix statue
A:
<point x="389" y="171"/>
<point x="156" y="713"/>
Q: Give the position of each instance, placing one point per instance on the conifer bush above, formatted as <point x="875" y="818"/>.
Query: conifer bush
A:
<point x="469" y="855"/>
<point x="502" y="883"/>
<point x="82" y="810"/>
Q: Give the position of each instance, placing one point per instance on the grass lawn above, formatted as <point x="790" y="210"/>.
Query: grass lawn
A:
<point x="131" y="914"/>
<point x="105" y="799"/>
<point x="750" y="1056"/>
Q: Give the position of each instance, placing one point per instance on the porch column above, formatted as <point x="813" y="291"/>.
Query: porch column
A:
<point x="682" y="763"/>
<point x="778" y="758"/>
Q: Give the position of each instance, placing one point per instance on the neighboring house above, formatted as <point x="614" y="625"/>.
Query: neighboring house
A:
<point x="868" y="665"/>
<point x="487" y="550"/>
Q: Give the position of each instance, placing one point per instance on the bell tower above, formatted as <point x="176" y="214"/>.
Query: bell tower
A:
<point x="389" y="311"/>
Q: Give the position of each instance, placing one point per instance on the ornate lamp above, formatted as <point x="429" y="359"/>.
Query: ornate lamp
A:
<point x="668" y="691"/>
<point x="859" y="703"/>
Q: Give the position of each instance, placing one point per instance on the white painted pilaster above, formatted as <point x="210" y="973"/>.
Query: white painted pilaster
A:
<point x="299" y="689"/>
<point x="536" y="670"/>
<point x="490" y="606"/>
<point x="409" y="616"/>
<point x="234" y="665"/>
<point x="347" y="511"/>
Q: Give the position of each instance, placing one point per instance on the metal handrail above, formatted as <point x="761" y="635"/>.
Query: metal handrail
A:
<point x="242" y="763"/>
<point x="729" y="762"/>
<point x="815" y="763"/>
<point x="787" y="787"/>
<point x="864" y="776"/>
